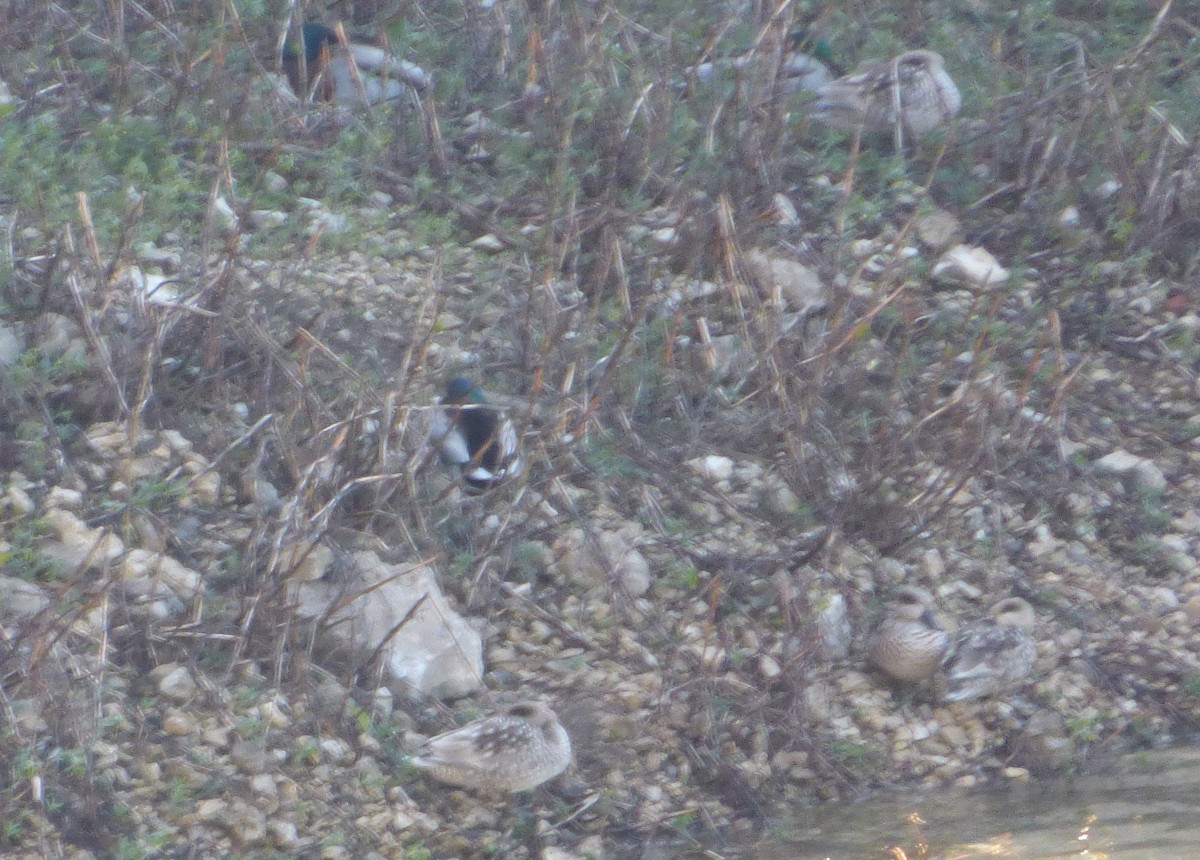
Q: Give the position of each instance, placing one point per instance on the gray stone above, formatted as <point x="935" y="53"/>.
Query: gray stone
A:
<point x="833" y="622"/>
<point x="249" y="757"/>
<point x="308" y="564"/>
<point x="434" y="651"/>
<point x="12" y="344"/>
<point x="154" y="574"/>
<point x="591" y="560"/>
<point x="74" y="544"/>
<point x="174" y="681"/>
<point x="1138" y="474"/>
<point x="800" y="288"/>
<point x="58" y="336"/>
<point x="971" y="267"/>
<point x="21" y="599"/>
<point x="714" y="467"/>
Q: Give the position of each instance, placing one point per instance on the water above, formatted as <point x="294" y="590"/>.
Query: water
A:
<point x="1148" y="809"/>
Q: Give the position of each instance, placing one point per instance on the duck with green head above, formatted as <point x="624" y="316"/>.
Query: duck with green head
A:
<point x="475" y="436"/>
<point x="346" y="72"/>
<point x="804" y="65"/>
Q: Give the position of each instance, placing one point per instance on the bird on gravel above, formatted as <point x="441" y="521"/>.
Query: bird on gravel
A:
<point x="992" y="655"/>
<point x="346" y="72"/>
<point x="908" y="644"/>
<point x="911" y="94"/>
<point x="803" y="66"/>
<point x="808" y="63"/>
<point x="514" y="750"/>
<point x="475" y="436"/>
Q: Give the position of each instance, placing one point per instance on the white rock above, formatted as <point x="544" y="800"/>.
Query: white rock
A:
<point x="154" y="288"/>
<point x="74" y="543"/>
<point x="283" y="833"/>
<point x="307" y="565"/>
<point x="62" y="497"/>
<point x="488" y="243"/>
<point x="800" y="288"/>
<point x="12" y="344"/>
<point x="224" y="215"/>
<point x="60" y="337"/>
<point x="1140" y="473"/>
<point x="593" y="560"/>
<point x="174" y="681"/>
<point x="1147" y="477"/>
<point x="264" y="784"/>
<point x="336" y="750"/>
<point x="382" y="702"/>
<point x="785" y="211"/>
<point x="713" y="466"/>
<point x="937" y="229"/>
<point x="267" y="218"/>
<point x="833" y="623"/>
<point x="324" y="221"/>
<point x="769" y="668"/>
<point x="273" y="714"/>
<point x="435" y="650"/>
<point x="155" y="574"/>
<point x="970" y="266"/>
<point x="20" y="598"/>
<point x="19" y="501"/>
<point x="206" y="487"/>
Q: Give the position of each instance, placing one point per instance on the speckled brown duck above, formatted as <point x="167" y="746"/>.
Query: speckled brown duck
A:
<point x="992" y="655"/>
<point x="514" y="750"/>
<point x="908" y="644"/>
<point x="911" y="92"/>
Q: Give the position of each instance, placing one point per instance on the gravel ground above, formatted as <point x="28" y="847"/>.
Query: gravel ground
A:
<point x="699" y="631"/>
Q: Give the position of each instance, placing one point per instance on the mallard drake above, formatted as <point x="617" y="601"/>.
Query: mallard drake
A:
<point x="797" y="70"/>
<point x="475" y="436"/>
<point x="808" y="63"/>
<point x="908" y="644"/>
<point x="992" y="655"/>
<point x="515" y="750"/>
<point x="911" y="92"/>
<point x="800" y="71"/>
<point x="346" y="72"/>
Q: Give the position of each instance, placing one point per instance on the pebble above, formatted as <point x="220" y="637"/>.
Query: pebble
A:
<point x="174" y="681"/>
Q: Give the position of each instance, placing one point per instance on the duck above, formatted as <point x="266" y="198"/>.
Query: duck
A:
<point x="798" y="70"/>
<point x="908" y="644"/>
<point x="992" y="655"/>
<point x="910" y="94"/>
<point x="808" y="63"/>
<point x="475" y="436"/>
<point x="346" y="72"/>
<point x="514" y="750"/>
